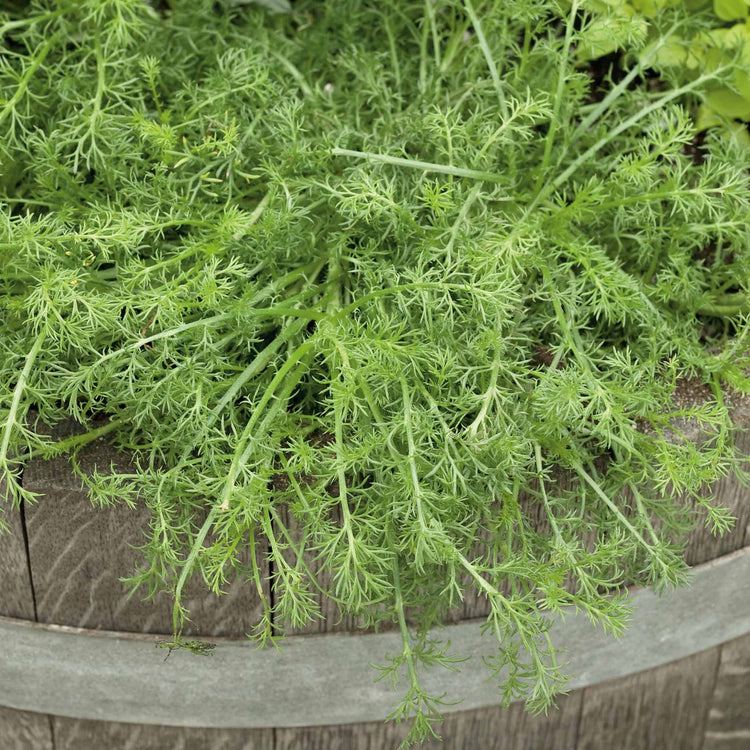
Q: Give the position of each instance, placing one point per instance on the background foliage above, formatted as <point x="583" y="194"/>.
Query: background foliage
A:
<point x="724" y="40"/>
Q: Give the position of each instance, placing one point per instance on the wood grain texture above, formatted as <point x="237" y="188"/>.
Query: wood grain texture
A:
<point x="81" y="734"/>
<point x="370" y="736"/>
<point x="483" y="729"/>
<point x="513" y="728"/>
<point x="729" y="718"/>
<point x="78" y="554"/>
<point x="24" y="730"/>
<point x="16" y="595"/>
<point x="666" y="707"/>
<point x="331" y="619"/>
<point x="727" y="492"/>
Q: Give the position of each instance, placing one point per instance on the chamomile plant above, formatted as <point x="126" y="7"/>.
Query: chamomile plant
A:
<point x="393" y="270"/>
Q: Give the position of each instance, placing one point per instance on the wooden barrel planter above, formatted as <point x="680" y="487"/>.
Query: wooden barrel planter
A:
<point x="79" y="671"/>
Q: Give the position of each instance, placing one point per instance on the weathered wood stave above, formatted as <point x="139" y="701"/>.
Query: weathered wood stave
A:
<point x="75" y="555"/>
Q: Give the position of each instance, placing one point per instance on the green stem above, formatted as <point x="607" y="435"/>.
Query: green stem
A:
<point x="491" y="592"/>
<point x="280" y="310"/>
<point x="187" y="569"/>
<point x="571" y="339"/>
<point x="23" y="84"/>
<point x="75" y="441"/>
<point x="237" y="462"/>
<point x="487" y="396"/>
<point x="643" y="513"/>
<point x="256" y="574"/>
<point x="12" y="418"/>
<point x="259" y="363"/>
<point x="545" y="500"/>
<point x="407" y="650"/>
<point x="21" y="22"/>
<point x="412" y="454"/>
<point x="487" y="52"/>
<point x="429" y="5"/>
<point x="415" y="286"/>
<point x="423" y="55"/>
<point x="424" y="165"/>
<point x="520" y="71"/>
<point x="395" y="64"/>
<point x="726" y="305"/>
<point x="554" y="120"/>
<point x="550" y="187"/>
<point x="245" y="443"/>
<point x="458" y="223"/>
<point x="298" y="552"/>
<point x="602" y="107"/>
<point x="293" y="70"/>
<point x="611" y="505"/>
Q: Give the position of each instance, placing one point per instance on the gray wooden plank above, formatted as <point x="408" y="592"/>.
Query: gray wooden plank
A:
<point x="375" y="735"/>
<point x="79" y="553"/>
<point x="495" y="728"/>
<point x="315" y="680"/>
<point x="474" y="604"/>
<point x="332" y="619"/>
<point x="728" y="492"/>
<point x="512" y="728"/>
<point x="701" y="544"/>
<point x="24" y="730"/>
<point x="729" y="718"/>
<point x="665" y="707"/>
<point x="83" y="734"/>
<point x="16" y="596"/>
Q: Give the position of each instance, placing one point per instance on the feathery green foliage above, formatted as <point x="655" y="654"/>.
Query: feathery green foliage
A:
<point x="395" y="266"/>
<point x="720" y="35"/>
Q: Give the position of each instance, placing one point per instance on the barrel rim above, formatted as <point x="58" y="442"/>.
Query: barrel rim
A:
<point x="324" y="679"/>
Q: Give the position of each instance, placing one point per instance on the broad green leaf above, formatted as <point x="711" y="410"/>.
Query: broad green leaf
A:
<point x="673" y="51"/>
<point x="729" y="103"/>
<point x="713" y="47"/>
<point x="742" y="82"/>
<point x="707" y="118"/>
<point x="730" y="10"/>
<point x="739" y="133"/>
<point x="651" y="7"/>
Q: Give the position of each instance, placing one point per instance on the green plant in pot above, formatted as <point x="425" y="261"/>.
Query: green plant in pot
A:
<point x="393" y="268"/>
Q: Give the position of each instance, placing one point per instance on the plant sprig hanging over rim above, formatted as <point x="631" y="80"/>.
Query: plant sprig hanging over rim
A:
<point x="399" y="269"/>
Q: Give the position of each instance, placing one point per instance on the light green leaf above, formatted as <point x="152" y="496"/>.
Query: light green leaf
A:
<point x="738" y="132"/>
<point x="731" y="38"/>
<point x="718" y="46"/>
<point x="707" y="118"/>
<point x="729" y="103"/>
<point x="730" y="10"/>
<point x="651" y="7"/>
<point x="672" y="51"/>
<point x="742" y="82"/>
